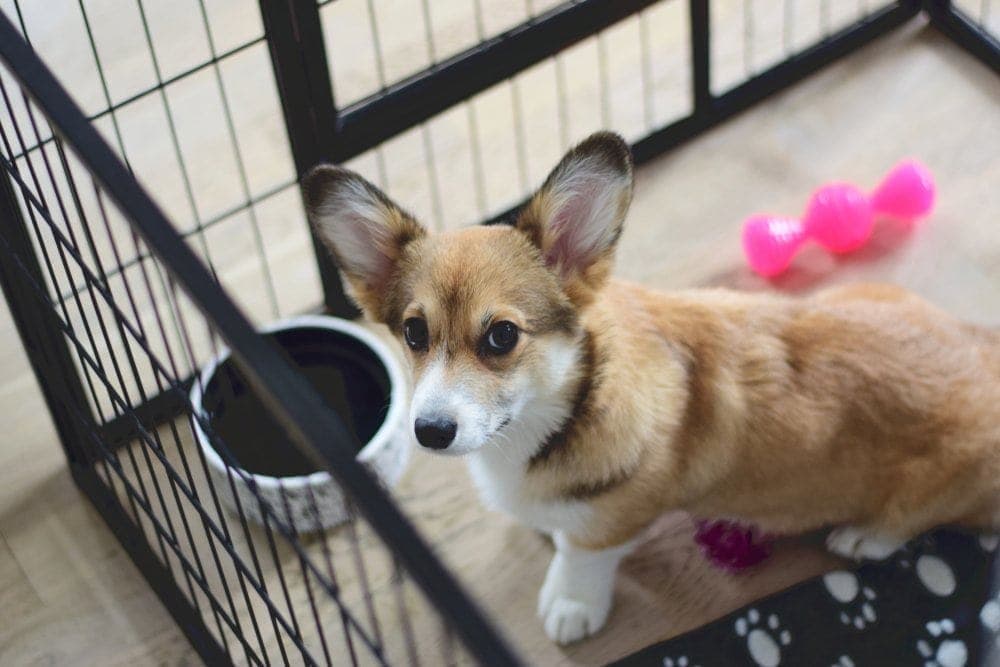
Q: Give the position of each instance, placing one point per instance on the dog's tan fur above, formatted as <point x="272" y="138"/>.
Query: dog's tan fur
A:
<point x="860" y="405"/>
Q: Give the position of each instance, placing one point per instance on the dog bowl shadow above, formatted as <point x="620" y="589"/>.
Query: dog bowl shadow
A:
<point x="358" y="376"/>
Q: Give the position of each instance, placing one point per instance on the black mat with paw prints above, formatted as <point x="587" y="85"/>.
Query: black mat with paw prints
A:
<point x="936" y="603"/>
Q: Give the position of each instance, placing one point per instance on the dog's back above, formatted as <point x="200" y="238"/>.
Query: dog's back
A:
<point x="861" y="404"/>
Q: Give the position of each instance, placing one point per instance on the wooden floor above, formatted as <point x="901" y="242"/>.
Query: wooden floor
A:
<point x="68" y="594"/>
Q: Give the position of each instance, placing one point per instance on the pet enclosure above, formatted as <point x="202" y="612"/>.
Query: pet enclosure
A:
<point x="121" y="296"/>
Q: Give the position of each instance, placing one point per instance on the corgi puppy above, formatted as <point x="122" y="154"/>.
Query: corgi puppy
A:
<point x="587" y="406"/>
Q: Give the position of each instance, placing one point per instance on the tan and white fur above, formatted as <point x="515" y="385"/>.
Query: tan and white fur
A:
<point x="863" y="408"/>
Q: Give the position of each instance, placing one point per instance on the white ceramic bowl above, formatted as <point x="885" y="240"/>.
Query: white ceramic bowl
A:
<point x="385" y="454"/>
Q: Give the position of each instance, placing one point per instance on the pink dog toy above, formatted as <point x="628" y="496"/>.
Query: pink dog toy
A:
<point x="732" y="546"/>
<point x="839" y="217"/>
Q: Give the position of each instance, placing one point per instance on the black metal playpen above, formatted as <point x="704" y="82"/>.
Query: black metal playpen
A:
<point x="119" y="300"/>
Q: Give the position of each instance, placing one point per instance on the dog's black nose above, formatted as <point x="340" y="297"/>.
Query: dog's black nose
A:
<point x="435" y="433"/>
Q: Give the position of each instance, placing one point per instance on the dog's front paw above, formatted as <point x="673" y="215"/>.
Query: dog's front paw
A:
<point x="568" y="620"/>
<point x="571" y="610"/>
<point x="859" y="543"/>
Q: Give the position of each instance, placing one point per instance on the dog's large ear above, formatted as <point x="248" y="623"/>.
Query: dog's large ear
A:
<point x="576" y="217"/>
<point x="365" y="231"/>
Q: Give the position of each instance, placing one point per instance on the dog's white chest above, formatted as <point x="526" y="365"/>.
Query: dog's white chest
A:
<point x="501" y="486"/>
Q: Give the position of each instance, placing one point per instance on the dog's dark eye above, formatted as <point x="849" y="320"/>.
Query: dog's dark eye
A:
<point x="501" y="338"/>
<point x="415" y="333"/>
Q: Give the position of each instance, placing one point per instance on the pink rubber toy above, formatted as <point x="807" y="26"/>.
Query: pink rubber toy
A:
<point x="839" y="217"/>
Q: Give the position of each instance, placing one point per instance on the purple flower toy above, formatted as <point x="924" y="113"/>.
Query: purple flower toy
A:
<point x="732" y="546"/>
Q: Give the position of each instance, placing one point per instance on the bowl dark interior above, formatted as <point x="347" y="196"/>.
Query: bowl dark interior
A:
<point x="345" y="371"/>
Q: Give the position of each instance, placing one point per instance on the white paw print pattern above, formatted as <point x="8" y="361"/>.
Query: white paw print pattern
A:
<point x="989" y="616"/>
<point x="681" y="661"/>
<point x="844" y="661"/>
<point x="764" y="640"/>
<point x="989" y="542"/>
<point x="948" y="652"/>
<point x="935" y="575"/>
<point x="858" y="601"/>
<point x="933" y="572"/>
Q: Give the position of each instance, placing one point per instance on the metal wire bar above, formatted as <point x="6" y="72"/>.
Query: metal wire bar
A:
<point x="253" y="556"/>
<point x="231" y="621"/>
<point x="447" y="646"/>
<point x="191" y="492"/>
<point x="141" y="498"/>
<point x="787" y="23"/>
<point x="64" y="245"/>
<point x="107" y="97"/>
<point x="406" y="103"/>
<point x="214" y="530"/>
<point x="220" y="534"/>
<point x="208" y="224"/>
<point x="701" y="83"/>
<point x="43" y="209"/>
<point x="748" y="38"/>
<point x="437" y="207"/>
<point x="322" y="437"/>
<point x="478" y="176"/>
<point x="64" y="390"/>
<point x="146" y="92"/>
<point x="101" y="76"/>
<point x="136" y="496"/>
<point x="520" y="134"/>
<point x="240" y="164"/>
<point x="562" y="105"/>
<point x="15" y="179"/>
<point x="362" y="571"/>
<point x="227" y="543"/>
<point x="966" y="32"/>
<point x="272" y="546"/>
<point x="46" y="351"/>
<point x="123" y="404"/>
<point x="710" y="110"/>
<point x="138" y="549"/>
<point x="380" y="168"/>
<point x="429" y="31"/>
<point x="302" y="75"/>
<point x="136" y="376"/>
<point x="171" y="128"/>
<point x="217" y="608"/>
<point x="646" y="73"/>
<point x="157" y="379"/>
<point x="332" y="576"/>
<point x="478" y="171"/>
<point x="376" y="44"/>
<point x="477" y="12"/>
<point x="176" y="313"/>
<point x="305" y="580"/>
<point x="602" y="78"/>
<point x="287" y="530"/>
<point x="404" y="617"/>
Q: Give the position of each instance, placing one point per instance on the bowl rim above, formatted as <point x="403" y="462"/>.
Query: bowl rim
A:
<point x="383" y="436"/>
